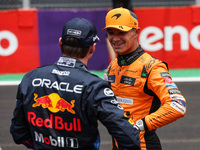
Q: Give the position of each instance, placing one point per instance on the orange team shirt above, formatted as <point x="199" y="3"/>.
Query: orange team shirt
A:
<point x="146" y="91"/>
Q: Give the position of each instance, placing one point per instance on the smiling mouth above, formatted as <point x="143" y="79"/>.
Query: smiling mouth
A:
<point x="117" y="45"/>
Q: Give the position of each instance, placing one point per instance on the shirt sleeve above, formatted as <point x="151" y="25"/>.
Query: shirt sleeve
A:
<point x="173" y="104"/>
<point x="111" y="115"/>
<point x="19" y="127"/>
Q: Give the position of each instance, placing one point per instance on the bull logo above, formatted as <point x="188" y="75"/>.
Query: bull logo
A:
<point x="54" y="103"/>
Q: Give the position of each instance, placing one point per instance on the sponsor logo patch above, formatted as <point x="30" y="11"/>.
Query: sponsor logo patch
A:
<point x="116" y="15"/>
<point x="132" y="71"/>
<point x="68" y="62"/>
<point x="61" y="73"/>
<point x="178" y="107"/>
<point x="114" y="101"/>
<point x="54" y="103"/>
<point x="108" y="92"/>
<point x="131" y="121"/>
<point x="123" y="100"/>
<point x="57" y="141"/>
<point x="111" y="78"/>
<point x="177" y="96"/>
<point x="165" y="74"/>
<point x="151" y="62"/>
<point x="60" y="86"/>
<point x="179" y="101"/>
<point x="127" y="80"/>
<point x="171" y="85"/>
<point x="54" y="122"/>
<point x="174" y="91"/>
<point x="74" y="32"/>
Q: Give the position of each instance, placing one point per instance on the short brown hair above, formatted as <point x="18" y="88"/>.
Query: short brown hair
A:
<point x="73" y="51"/>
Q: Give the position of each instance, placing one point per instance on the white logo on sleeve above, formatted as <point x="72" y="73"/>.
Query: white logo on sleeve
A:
<point x="108" y="92"/>
<point x="123" y="100"/>
<point x="178" y="107"/>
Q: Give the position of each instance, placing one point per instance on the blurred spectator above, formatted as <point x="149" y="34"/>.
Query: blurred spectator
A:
<point x="122" y="3"/>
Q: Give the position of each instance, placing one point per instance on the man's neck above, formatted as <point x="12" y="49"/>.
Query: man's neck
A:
<point x="125" y="60"/>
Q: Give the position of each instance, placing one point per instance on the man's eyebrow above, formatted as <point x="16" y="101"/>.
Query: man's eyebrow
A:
<point x="109" y="30"/>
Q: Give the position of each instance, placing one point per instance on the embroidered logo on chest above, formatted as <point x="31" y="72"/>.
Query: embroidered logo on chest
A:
<point x="127" y="80"/>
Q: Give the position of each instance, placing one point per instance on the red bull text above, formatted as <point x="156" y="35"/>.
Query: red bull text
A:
<point x="54" y="122"/>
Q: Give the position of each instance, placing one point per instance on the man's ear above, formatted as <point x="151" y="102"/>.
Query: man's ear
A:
<point x="138" y="30"/>
<point x="91" y="51"/>
<point x="93" y="48"/>
<point x="60" y="42"/>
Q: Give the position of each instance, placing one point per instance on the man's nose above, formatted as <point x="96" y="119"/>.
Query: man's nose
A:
<point x="116" y="38"/>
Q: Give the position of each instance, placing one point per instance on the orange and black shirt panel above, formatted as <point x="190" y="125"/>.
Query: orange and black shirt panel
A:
<point x="144" y="87"/>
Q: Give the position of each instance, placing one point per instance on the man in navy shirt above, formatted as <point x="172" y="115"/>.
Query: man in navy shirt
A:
<point x="58" y="105"/>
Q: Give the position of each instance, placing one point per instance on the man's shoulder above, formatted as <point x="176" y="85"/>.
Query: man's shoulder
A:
<point x="38" y="70"/>
<point x="149" y="62"/>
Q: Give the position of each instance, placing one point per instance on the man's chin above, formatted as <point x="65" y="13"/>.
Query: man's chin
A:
<point x="118" y="51"/>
